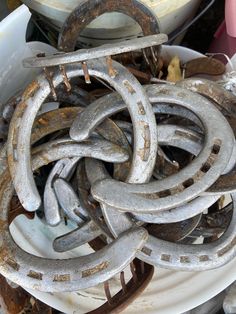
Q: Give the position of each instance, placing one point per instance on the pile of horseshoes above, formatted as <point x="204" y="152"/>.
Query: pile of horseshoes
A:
<point x="140" y="170"/>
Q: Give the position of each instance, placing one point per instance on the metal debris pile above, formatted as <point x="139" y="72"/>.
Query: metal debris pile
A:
<point x="142" y="170"/>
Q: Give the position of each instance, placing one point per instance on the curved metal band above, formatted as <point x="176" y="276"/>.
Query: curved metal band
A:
<point x="75" y="238"/>
<point x="88" y="10"/>
<point x="24" y="116"/>
<point x="225" y="100"/>
<point x="167" y="135"/>
<point x="60" y="275"/>
<point x="62" y="169"/>
<point x="161" y="253"/>
<point x="215" y="155"/>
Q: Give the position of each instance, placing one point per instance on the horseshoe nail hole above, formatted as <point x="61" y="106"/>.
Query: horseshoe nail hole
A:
<point x="164" y="193"/>
<point x="94" y="270"/>
<point x="35" y="275"/>
<point x="147" y="251"/>
<point x="165" y="257"/>
<point x="206" y="167"/>
<point x="184" y="259"/>
<point x="216" y="149"/>
<point x="61" y="278"/>
<point x="204" y="258"/>
<point x="13" y="264"/>
<point x="188" y="183"/>
<point x="141" y="109"/>
<point x="15" y="154"/>
<point x="129" y="87"/>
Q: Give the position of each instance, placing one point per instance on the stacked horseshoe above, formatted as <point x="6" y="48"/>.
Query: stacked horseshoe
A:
<point x="136" y="170"/>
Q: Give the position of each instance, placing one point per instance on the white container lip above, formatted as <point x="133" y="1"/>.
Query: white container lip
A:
<point x="170" y="292"/>
<point x="48" y="7"/>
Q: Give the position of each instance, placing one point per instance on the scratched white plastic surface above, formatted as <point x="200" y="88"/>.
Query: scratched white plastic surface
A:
<point x="170" y="292"/>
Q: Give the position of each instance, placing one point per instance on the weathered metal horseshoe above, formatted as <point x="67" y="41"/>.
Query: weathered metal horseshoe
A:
<point x="212" y="155"/>
<point x="182" y="260"/>
<point x="19" y="137"/>
<point x="45" y="124"/>
<point x="89" y="230"/>
<point x="66" y="148"/>
<point x="62" y="169"/>
<point x="167" y="135"/>
<point x="225" y="100"/>
<point x="175" y="256"/>
<point x="98" y="108"/>
<point x="106" y="106"/>
<point x="107" y="50"/>
<point x="71" y="274"/>
<point x="88" y="10"/>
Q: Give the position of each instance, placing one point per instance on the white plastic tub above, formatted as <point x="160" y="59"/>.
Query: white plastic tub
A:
<point x="13" y="49"/>
<point x="114" y="26"/>
<point x="170" y="292"/>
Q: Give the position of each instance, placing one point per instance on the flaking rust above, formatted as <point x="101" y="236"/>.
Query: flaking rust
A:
<point x="86" y="12"/>
<point x="30" y="90"/>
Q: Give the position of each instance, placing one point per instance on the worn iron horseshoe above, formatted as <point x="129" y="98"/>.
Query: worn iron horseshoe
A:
<point x="19" y="137"/>
<point x="71" y="274"/>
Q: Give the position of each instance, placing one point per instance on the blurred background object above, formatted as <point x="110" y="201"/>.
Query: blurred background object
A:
<point x="225" y="37"/>
<point x="13" y="4"/>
